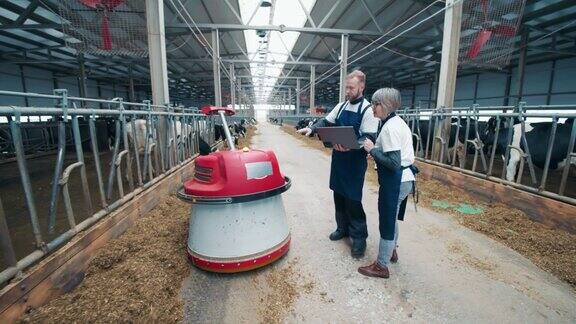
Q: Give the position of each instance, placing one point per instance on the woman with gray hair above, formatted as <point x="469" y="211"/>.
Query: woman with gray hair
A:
<point x="394" y="155"/>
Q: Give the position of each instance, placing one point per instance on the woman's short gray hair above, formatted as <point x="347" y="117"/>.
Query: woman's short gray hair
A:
<point x="389" y="97"/>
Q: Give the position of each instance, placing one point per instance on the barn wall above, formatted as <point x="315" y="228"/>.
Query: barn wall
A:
<point x="43" y="81"/>
<point x="489" y="88"/>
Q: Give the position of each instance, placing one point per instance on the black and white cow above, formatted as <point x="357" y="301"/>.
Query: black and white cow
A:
<point x="305" y="122"/>
<point x="219" y="132"/>
<point x="204" y="147"/>
<point x="239" y="129"/>
<point x="137" y="135"/>
<point x="471" y="132"/>
<point x="422" y="129"/>
<point x="302" y="123"/>
<point x="537" y="137"/>
<point x="252" y="121"/>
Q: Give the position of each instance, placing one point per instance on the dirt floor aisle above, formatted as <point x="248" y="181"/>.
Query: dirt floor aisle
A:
<point x="446" y="272"/>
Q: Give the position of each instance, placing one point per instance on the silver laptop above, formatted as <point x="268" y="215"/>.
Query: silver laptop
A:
<point x="343" y="135"/>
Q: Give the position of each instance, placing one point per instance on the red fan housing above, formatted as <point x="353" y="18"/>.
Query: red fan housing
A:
<point x="484" y="35"/>
<point x="105" y="6"/>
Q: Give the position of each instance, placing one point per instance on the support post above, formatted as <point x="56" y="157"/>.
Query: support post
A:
<point x="507" y="88"/>
<point x="98" y="89"/>
<point x="297" y="96"/>
<point x="448" y="66"/>
<point x="158" y="63"/>
<point x="290" y="99"/>
<point x="232" y="87"/>
<point x="413" y="96"/>
<point x="551" y="83"/>
<point x="216" y="67"/>
<point x="131" y="92"/>
<point x="239" y="81"/>
<point x="55" y="82"/>
<point x="312" y="86"/>
<point x="429" y="105"/>
<point x="522" y="64"/>
<point x="343" y="66"/>
<point x="23" y="83"/>
<point x="157" y="51"/>
<point x="82" y="78"/>
<point x="476" y="81"/>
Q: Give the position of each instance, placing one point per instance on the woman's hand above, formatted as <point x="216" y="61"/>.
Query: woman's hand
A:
<point x="368" y="145"/>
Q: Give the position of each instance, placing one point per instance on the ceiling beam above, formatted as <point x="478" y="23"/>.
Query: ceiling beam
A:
<point x="27" y="12"/>
<point x="182" y="29"/>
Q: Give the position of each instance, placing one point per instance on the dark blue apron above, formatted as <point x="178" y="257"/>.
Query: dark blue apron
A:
<point x="388" y="193"/>
<point x="349" y="168"/>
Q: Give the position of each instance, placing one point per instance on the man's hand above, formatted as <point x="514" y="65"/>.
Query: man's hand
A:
<point x="340" y="148"/>
<point x="306" y="131"/>
<point x="368" y="145"/>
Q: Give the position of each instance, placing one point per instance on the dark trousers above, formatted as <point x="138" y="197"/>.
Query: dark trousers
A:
<point x="350" y="217"/>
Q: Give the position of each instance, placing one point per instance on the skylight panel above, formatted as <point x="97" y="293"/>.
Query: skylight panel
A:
<point x="274" y="47"/>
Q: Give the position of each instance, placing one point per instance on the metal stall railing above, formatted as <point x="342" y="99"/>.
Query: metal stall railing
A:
<point x="291" y="119"/>
<point x="122" y="143"/>
<point x="482" y="134"/>
<point x="479" y="135"/>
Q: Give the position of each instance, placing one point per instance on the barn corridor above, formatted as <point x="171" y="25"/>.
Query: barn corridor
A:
<point x="446" y="272"/>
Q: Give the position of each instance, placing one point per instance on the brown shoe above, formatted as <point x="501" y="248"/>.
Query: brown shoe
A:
<point x="375" y="270"/>
<point x="394" y="257"/>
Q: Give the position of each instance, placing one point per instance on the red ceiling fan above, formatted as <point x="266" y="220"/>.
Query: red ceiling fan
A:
<point x="484" y="35"/>
<point x="104" y="6"/>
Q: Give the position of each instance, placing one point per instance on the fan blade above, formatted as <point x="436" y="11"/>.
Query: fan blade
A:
<point x="505" y="30"/>
<point x="111" y="4"/>
<point x="91" y="3"/>
<point x="484" y="7"/>
<point x="105" y="34"/>
<point x="481" y="40"/>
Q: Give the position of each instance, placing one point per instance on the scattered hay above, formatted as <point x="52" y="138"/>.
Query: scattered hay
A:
<point x="460" y="248"/>
<point x="247" y="141"/>
<point x="134" y="278"/>
<point x="282" y="284"/>
<point x="309" y="141"/>
<point x="551" y="249"/>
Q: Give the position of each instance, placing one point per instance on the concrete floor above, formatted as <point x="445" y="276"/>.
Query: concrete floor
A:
<point x="446" y="272"/>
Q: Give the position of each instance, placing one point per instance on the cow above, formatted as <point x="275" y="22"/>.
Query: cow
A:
<point x="302" y="123"/>
<point x="139" y="133"/>
<point x="471" y="132"/>
<point x="239" y="129"/>
<point x="252" y="121"/>
<point x="234" y="132"/>
<point x="204" y="147"/>
<point x="422" y="129"/>
<point x="459" y="144"/>
<point x="537" y="138"/>
<point x="219" y="132"/>
<point x="305" y="122"/>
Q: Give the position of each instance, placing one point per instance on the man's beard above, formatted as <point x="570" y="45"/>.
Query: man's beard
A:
<point x="357" y="95"/>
